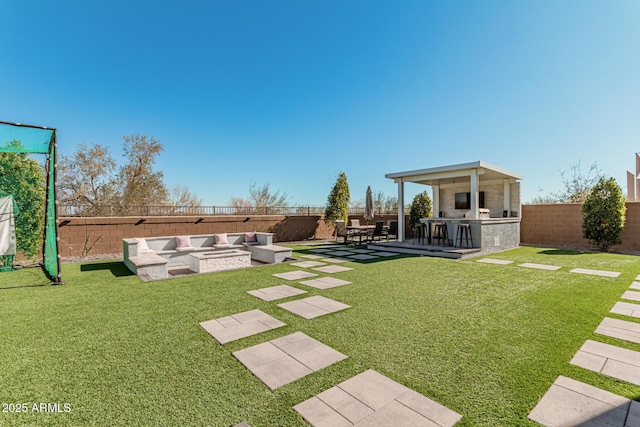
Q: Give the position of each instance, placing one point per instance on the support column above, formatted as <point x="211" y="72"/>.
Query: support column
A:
<point x="400" y="210"/>
<point x="507" y="196"/>
<point x="475" y="213"/>
<point x="436" y="201"/>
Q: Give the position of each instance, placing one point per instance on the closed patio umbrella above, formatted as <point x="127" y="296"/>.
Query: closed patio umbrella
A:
<point x="368" y="206"/>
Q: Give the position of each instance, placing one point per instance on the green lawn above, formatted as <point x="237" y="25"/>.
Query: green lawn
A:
<point x="486" y="341"/>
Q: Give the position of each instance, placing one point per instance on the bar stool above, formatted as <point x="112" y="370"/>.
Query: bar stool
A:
<point x="466" y="230"/>
<point x="419" y="233"/>
<point x="440" y="232"/>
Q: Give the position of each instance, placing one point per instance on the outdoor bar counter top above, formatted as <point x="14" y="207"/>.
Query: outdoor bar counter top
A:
<point x="489" y="234"/>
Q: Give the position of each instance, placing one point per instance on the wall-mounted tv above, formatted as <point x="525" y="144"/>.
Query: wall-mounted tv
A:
<point x="463" y="200"/>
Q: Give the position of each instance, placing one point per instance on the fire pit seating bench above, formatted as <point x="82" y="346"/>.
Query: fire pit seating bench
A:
<point x="152" y="256"/>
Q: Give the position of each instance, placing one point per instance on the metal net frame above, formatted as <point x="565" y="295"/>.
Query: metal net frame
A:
<point x="40" y="140"/>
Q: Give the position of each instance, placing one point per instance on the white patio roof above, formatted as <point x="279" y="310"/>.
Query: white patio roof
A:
<point x="454" y="173"/>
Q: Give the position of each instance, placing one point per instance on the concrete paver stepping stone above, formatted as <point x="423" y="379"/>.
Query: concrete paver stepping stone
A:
<point x="339" y="253"/>
<point x="325" y="282"/>
<point x="336" y="260"/>
<point x="294" y="275"/>
<point x="540" y="266"/>
<point x="276" y="292"/>
<point x="601" y="273"/>
<point x="363" y="257"/>
<point x="308" y="264"/>
<point x="313" y="307"/>
<point x="284" y="360"/>
<point x="573" y="403"/>
<point x="332" y="269"/>
<point x="638" y="277"/>
<point x="609" y="360"/>
<point x="632" y="295"/>
<point x="495" y="261"/>
<point x="322" y="250"/>
<point x="241" y="325"/>
<point x="361" y="251"/>
<point x="626" y="309"/>
<point x="371" y="399"/>
<point x="621" y="329"/>
<point x="635" y="285"/>
<point x="384" y="254"/>
<point x="312" y="256"/>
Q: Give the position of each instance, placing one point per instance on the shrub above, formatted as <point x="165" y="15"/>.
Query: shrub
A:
<point x="420" y="208"/>
<point x="603" y="212"/>
<point x="338" y="201"/>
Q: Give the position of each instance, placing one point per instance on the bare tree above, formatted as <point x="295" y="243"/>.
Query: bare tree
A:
<point x="140" y="184"/>
<point x="240" y="205"/>
<point x="263" y="197"/>
<point x="86" y="179"/>
<point x="182" y="200"/>
<point x="576" y="187"/>
<point x="579" y="185"/>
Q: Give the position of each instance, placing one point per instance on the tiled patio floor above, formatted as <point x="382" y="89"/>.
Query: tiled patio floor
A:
<point x="241" y="325"/>
<point x="276" y="292"/>
<point x="284" y="360"/>
<point x="371" y="399"/>
<point x="385" y="254"/>
<point x="573" y="403"/>
<point x="313" y="307"/>
<point x="363" y="257"/>
<point x="339" y="253"/>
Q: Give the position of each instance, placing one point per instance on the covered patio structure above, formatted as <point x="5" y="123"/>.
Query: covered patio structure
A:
<point x="482" y="195"/>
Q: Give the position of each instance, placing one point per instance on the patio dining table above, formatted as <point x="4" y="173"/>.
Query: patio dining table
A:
<point x="363" y="230"/>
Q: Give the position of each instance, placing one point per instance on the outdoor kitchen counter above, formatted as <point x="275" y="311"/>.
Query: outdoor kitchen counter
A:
<point x="491" y="234"/>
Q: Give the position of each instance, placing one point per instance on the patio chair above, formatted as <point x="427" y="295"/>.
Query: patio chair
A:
<point x="393" y="229"/>
<point x="341" y="230"/>
<point x="379" y="231"/>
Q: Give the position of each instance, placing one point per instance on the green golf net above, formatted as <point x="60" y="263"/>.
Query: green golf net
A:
<point x="38" y="140"/>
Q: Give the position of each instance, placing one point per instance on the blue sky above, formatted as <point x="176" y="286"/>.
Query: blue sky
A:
<point x="291" y="93"/>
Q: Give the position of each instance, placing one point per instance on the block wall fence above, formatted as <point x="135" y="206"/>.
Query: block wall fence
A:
<point x="103" y="235"/>
<point x="561" y="225"/>
<point x="544" y="225"/>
